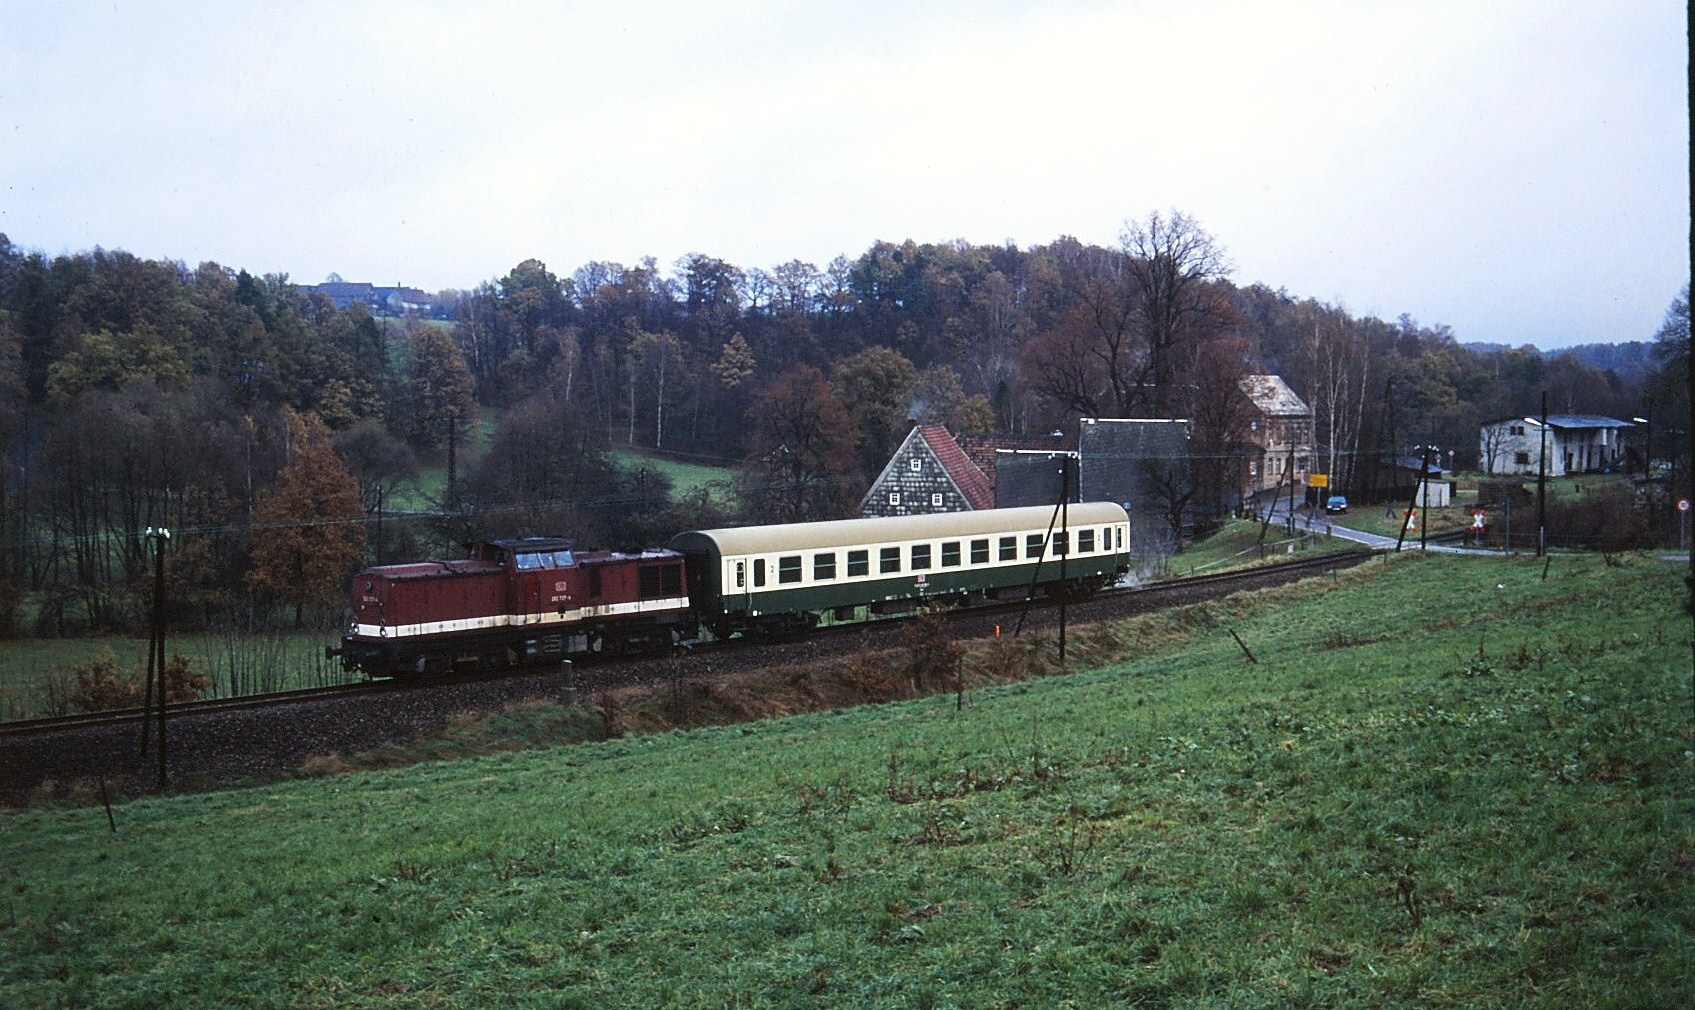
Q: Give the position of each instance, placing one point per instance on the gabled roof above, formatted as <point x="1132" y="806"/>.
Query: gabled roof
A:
<point x="1566" y="421"/>
<point x="1273" y="396"/>
<point x="967" y="476"/>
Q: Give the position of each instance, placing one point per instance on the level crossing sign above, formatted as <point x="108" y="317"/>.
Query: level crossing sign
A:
<point x="1478" y="521"/>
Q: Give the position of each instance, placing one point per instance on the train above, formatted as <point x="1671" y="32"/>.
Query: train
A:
<point x="535" y="600"/>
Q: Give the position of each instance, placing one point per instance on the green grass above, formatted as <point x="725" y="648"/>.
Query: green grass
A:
<point x="717" y="481"/>
<point x="1445" y="783"/>
<point x="36" y="670"/>
<point x="1238" y="545"/>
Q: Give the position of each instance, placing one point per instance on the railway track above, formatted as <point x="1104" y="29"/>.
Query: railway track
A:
<point x="232" y="738"/>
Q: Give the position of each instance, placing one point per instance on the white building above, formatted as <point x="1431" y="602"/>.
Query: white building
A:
<point x="1575" y="443"/>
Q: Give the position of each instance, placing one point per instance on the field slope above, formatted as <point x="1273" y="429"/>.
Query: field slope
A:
<point x="1442" y="782"/>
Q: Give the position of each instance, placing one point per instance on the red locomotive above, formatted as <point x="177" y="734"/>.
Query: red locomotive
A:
<point x="511" y="603"/>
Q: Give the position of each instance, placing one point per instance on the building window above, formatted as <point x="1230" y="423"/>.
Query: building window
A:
<point x="980" y="552"/>
<point x="917" y="465"/>
<point x="950" y="554"/>
<point x="1009" y="548"/>
<point x="823" y="567"/>
<point x="894" y="497"/>
<point x="888" y="560"/>
<point x="1521" y="458"/>
<point x="936" y="501"/>
<point x="859" y="564"/>
<point x="920" y="557"/>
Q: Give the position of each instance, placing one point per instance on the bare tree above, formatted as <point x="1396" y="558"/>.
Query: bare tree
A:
<point x="1171" y="264"/>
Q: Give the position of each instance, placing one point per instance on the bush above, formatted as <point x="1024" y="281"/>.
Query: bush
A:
<point x="100" y="684"/>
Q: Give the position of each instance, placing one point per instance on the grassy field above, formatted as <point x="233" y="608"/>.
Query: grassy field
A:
<point x="35" y="671"/>
<point x="686" y="477"/>
<point x="1445" y="782"/>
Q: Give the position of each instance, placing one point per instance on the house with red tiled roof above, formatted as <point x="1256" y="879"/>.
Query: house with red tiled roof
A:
<point x="928" y="473"/>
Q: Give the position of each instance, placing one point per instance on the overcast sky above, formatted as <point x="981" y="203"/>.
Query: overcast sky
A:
<point x="1517" y="171"/>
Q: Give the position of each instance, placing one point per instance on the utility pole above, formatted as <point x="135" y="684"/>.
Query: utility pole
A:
<point x="1412" y="503"/>
<point x="156" y="649"/>
<point x="1542" y="483"/>
<point x="1065" y="542"/>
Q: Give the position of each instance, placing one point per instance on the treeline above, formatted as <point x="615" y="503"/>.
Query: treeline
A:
<point x="271" y="431"/>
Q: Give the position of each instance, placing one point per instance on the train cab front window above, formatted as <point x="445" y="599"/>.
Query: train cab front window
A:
<point x="529" y="562"/>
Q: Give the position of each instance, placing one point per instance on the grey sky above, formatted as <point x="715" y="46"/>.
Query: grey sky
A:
<point x="1517" y="171"/>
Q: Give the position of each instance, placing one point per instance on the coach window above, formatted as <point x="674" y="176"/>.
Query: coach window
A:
<point x="823" y="567"/>
<point x="1062" y="542"/>
<point x="1106" y="538"/>
<point x="980" y="552"/>
<point x="741" y="575"/>
<point x="950" y="554"/>
<point x="1085" y="541"/>
<point x="1009" y="548"/>
<point x="758" y="572"/>
<point x="788" y="568"/>
<point x="859" y="564"/>
<point x="920" y="557"/>
<point x="1120" y="536"/>
<point x="1033" y="545"/>
<point x="888" y="560"/>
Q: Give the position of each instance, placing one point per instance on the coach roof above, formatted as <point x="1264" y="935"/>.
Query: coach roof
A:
<point x="894" y="529"/>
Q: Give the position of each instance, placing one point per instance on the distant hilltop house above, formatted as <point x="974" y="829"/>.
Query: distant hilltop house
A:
<point x="1575" y="443"/>
<point x="390" y="301"/>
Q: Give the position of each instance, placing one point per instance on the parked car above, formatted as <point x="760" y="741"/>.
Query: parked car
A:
<point x="1336" y="503"/>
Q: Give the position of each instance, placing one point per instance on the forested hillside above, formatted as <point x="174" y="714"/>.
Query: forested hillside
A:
<point x="271" y="431"/>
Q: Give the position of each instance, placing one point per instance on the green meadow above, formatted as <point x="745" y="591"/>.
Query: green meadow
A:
<point x="1441" y="782"/>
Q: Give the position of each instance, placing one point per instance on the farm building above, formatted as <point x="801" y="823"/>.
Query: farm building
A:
<point x="1574" y="443"/>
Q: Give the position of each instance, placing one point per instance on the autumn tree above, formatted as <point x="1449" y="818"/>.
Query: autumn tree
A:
<point x="876" y="388"/>
<point x="308" y="535"/>
<point x="438" y="397"/>
<point x="801" y="465"/>
<point x="545" y="471"/>
<point x="1172" y="264"/>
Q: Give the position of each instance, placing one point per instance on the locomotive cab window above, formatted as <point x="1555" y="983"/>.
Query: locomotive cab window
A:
<point x="888" y="560"/>
<point x="950" y="554"/>
<point x="980" y="552"/>
<point x="859" y="564"/>
<point x="823" y="567"/>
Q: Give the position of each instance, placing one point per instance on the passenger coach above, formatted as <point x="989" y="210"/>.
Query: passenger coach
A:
<point x="778" y="578"/>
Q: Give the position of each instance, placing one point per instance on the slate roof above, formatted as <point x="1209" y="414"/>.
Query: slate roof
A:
<point x="969" y="477"/>
<point x="1273" y="396"/>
